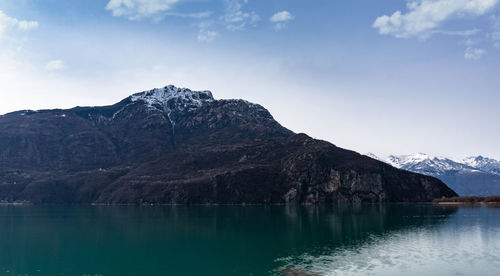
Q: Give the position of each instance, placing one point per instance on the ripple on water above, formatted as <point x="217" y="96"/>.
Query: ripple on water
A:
<point x="453" y="249"/>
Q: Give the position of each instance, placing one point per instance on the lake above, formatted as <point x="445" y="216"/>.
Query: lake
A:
<point x="250" y="240"/>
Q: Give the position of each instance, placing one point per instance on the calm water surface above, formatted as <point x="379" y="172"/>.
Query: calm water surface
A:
<point x="230" y="240"/>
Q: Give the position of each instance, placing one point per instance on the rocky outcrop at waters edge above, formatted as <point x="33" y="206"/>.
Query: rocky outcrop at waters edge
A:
<point x="177" y="146"/>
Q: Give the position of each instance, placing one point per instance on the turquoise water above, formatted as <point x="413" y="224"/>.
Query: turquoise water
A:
<point x="251" y="240"/>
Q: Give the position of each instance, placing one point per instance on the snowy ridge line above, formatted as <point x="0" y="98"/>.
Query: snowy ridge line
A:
<point x="434" y="165"/>
<point x="171" y="97"/>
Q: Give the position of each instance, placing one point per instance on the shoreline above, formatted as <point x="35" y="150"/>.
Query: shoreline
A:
<point x="469" y="200"/>
<point x="441" y="203"/>
<point x="467" y="203"/>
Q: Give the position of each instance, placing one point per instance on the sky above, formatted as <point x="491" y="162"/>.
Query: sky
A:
<point x="385" y="76"/>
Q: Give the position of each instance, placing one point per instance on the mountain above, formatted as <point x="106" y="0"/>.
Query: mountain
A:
<point x="176" y="146"/>
<point x="475" y="175"/>
<point x="430" y="165"/>
<point x="485" y="164"/>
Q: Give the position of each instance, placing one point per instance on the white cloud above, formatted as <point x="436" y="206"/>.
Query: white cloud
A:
<point x="197" y="15"/>
<point x="206" y="35"/>
<point x="470" y="32"/>
<point x="139" y="9"/>
<point x="474" y="53"/>
<point x="281" y="16"/>
<point x="206" y="32"/>
<point x="7" y="22"/>
<point x="494" y="35"/>
<point x="27" y="25"/>
<point x="424" y="16"/>
<point x="55" y="65"/>
<point x="281" y="19"/>
<point x="235" y="18"/>
<point x="471" y="42"/>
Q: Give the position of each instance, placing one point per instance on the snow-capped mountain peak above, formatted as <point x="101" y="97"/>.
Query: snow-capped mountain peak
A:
<point x="476" y="175"/>
<point x="427" y="164"/>
<point x="374" y="156"/>
<point x="402" y="160"/>
<point x="173" y="98"/>
<point x="483" y="163"/>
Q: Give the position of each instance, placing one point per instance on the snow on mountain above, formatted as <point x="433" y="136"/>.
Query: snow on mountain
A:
<point x="427" y="164"/>
<point x="405" y="160"/>
<point x="484" y="164"/>
<point x="475" y="175"/>
<point x="372" y="155"/>
<point x="437" y="165"/>
<point x="173" y="98"/>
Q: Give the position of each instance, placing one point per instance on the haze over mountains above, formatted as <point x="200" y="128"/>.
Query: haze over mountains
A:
<point x="475" y="175"/>
<point x="176" y="146"/>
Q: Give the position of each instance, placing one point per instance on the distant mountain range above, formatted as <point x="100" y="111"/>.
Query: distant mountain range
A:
<point x="476" y="175"/>
<point x="177" y="146"/>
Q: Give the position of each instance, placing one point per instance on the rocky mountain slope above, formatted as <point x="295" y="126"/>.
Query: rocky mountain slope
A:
<point x="475" y="175"/>
<point x="177" y="146"/>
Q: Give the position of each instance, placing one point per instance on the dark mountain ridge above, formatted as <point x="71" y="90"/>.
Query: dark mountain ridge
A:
<point x="177" y="146"/>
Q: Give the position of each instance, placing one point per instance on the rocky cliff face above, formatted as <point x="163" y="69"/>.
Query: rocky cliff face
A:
<point x="177" y="146"/>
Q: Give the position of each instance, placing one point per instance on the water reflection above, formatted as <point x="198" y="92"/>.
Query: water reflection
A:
<point x="465" y="241"/>
<point x="235" y="240"/>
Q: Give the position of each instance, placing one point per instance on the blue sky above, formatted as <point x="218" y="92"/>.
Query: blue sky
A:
<point x="388" y="77"/>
